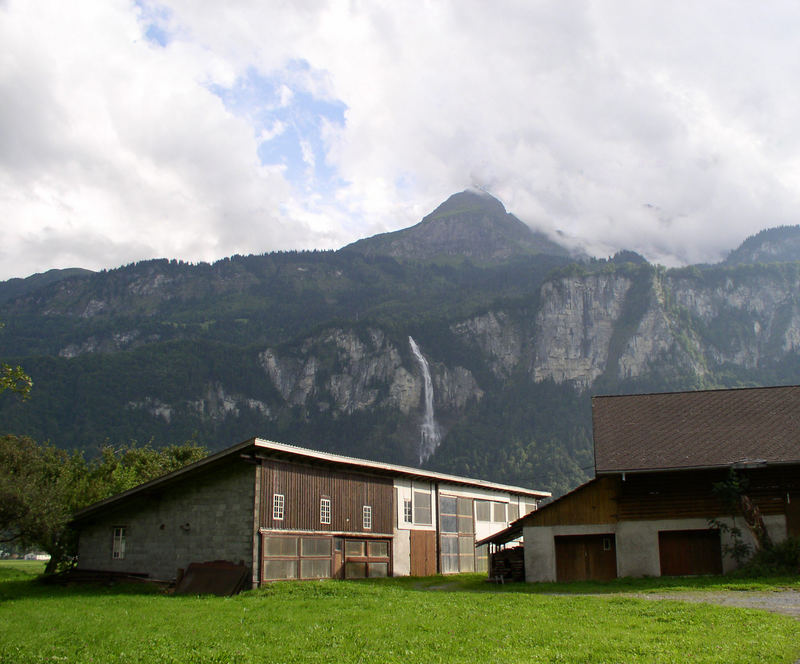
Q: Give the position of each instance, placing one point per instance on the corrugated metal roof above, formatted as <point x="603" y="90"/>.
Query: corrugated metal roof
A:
<point x="703" y="429"/>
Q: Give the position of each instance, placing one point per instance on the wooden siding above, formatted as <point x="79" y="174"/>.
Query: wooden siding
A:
<point x="594" y="502"/>
<point x="304" y="485"/>
<point x="689" y="494"/>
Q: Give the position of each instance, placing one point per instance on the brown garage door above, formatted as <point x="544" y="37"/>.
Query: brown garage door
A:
<point x="685" y="552"/>
<point x="423" y="552"/>
<point x="582" y="557"/>
<point x="793" y="515"/>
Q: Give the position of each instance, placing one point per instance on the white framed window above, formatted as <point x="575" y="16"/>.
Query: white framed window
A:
<point x="422" y="507"/>
<point x="325" y="510"/>
<point x="367" y="517"/>
<point x="408" y="512"/>
<point x="118" y="543"/>
<point x="278" y="503"/>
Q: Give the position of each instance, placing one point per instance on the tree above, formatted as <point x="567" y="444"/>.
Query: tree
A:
<point x="14" y="379"/>
<point x="41" y="486"/>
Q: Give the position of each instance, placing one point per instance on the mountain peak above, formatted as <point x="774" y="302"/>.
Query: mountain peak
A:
<point x="471" y="223"/>
<point x="470" y="199"/>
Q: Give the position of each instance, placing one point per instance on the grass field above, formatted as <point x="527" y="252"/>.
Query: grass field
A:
<point x="436" y="619"/>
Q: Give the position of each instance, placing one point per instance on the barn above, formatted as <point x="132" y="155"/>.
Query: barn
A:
<point x="662" y="500"/>
<point x="286" y="512"/>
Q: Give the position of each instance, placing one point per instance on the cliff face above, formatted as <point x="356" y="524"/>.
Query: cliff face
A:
<point x="313" y="347"/>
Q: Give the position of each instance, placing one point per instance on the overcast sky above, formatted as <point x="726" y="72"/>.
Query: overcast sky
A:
<point x="196" y="130"/>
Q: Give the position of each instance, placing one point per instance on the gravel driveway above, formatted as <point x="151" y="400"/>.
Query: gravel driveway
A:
<point x="781" y="601"/>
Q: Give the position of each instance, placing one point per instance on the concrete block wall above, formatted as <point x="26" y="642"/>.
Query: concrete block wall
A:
<point x="202" y="518"/>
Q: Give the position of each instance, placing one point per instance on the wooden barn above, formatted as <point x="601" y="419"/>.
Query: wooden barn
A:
<point x="657" y="505"/>
<point x="286" y="512"/>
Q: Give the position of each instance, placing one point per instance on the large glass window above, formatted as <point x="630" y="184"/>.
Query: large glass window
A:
<point x="457" y="540"/>
<point x="483" y="510"/>
<point x="513" y="512"/>
<point x="296" y="557"/>
<point x="366" y="558"/>
<point x="315" y="546"/>
<point x="482" y="558"/>
<point x="499" y="512"/>
<point x="280" y="546"/>
<point x="422" y="507"/>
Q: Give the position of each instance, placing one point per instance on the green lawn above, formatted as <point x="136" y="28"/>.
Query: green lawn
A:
<point x="437" y="619"/>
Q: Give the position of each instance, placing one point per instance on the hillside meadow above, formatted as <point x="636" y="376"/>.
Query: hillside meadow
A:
<point x="434" y="619"/>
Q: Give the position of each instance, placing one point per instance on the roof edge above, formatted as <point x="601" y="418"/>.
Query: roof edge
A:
<point x="260" y="443"/>
<point x="403" y="470"/>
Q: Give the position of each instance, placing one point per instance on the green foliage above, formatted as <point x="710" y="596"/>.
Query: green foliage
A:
<point x="780" y="558"/>
<point x="14" y="379"/>
<point x="41" y="486"/>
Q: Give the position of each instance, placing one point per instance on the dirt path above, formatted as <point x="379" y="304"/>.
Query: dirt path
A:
<point x="781" y="601"/>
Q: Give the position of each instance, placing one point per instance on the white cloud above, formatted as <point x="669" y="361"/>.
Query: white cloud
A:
<point x="666" y="128"/>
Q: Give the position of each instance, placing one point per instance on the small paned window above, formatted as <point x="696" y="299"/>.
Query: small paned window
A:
<point x="118" y="546"/>
<point x="278" y="502"/>
<point x="367" y="517"/>
<point x="325" y="510"/>
<point x="408" y="513"/>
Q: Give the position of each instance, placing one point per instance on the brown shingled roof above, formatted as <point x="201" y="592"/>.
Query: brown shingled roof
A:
<point x="696" y="429"/>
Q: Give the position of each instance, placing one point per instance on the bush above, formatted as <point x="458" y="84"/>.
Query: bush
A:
<point x="779" y="559"/>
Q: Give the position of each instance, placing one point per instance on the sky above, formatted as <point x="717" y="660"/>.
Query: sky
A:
<point x="197" y="130"/>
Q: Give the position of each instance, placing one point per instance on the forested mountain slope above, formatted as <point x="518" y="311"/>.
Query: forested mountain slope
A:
<point x="313" y="348"/>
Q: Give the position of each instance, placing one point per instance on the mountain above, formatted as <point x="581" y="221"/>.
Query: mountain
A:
<point x="14" y="288"/>
<point x="470" y="224"/>
<point x="315" y="348"/>
<point x="773" y="245"/>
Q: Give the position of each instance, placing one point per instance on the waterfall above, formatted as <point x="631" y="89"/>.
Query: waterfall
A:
<point x="429" y="431"/>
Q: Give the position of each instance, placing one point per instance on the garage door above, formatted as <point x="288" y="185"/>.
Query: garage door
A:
<point x="688" y="552"/>
<point x="583" y="557"/>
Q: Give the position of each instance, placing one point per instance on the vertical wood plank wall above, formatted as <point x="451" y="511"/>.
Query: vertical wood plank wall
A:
<point x="302" y="487"/>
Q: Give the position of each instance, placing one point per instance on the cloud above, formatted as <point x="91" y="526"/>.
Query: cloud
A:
<point x="196" y="130"/>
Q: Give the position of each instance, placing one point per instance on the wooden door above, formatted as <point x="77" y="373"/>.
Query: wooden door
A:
<point x="423" y="552"/>
<point x="793" y="515"/>
<point x="689" y="552"/>
<point x="584" y="557"/>
<point x="338" y="558"/>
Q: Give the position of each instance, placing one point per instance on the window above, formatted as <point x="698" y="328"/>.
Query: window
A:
<point x="277" y="506"/>
<point x="457" y="542"/>
<point x="293" y="557"/>
<point x="366" y="558"/>
<point x="422" y="507"/>
<point x="513" y="512"/>
<point x="482" y="558"/>
<point x="118" y="546"/>
<point x="367" y="517"/>
<point x="408" y="514"/>
<point x="483" y="510"/>
<point x="325" y="510"/>
<point x="499" y="512"/>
